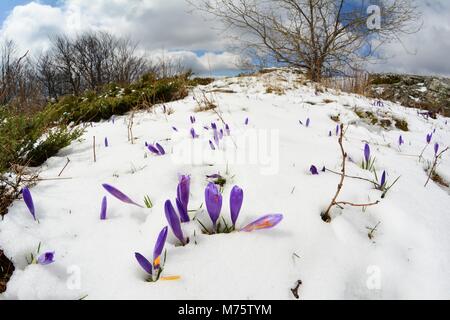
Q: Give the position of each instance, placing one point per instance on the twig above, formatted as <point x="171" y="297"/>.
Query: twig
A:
<point x="435" y="164"/>
<point x="296" y="288"/>
<point x="326" y="215"/>
<point x="93" y="147"/>
<point x="67" y="163"/>
<point x="352" y="177"/>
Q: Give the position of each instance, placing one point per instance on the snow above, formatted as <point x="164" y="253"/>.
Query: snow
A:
<point x="408" y="257"/>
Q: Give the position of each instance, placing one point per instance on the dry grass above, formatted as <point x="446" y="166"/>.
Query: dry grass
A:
<point x="275" y="90"/>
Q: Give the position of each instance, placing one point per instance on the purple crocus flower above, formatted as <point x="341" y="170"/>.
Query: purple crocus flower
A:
<point x="192" y="119"/>
<point x="193" y="134"/>
<point x="429" y="138"/>
<point x="46" y="258"/>
<point x="367" y="152"/>
<point x="265" y="222"/>
<point x="206" y="128"/>
<point x="211" y="144"/>
<point x="383" y="179"/>
<point x="103" y="209"/>
<point x="330" y="134"/>
<point x="236" y="199"/>
<point x="160" y="149"/>
<point x="175" y="129"/>
<point x="183" y="191"/>
<point x="246" y="121"/>
<point x="153" y="149"/>
<point x="400" y="140"/>
<point x="159" y="247"/>
<point x="221" y="134"/>
<point x="106" y="143"/>
<point x="144" y="263"/>
<point x="119" y="195"/>
<point x="28" y="199"/>
<point x="338" y="129"/>
<point x="174" y="221"/>
<point x="314" y="170"/>
<point x="214" y="126"/>
<point x="308" y="122"/>
<point x="213" y="200"/>
<point x="227" y="129"/>
<point x="436" y="149"/>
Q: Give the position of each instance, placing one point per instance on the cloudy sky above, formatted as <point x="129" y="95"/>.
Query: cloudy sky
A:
<point x="168" y="26"/>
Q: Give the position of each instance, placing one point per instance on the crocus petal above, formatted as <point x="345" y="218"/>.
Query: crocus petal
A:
<point x="213" y="200"/>
<point x="119" y="195"/>
<point x="29" y="201"/>
<point x="314" y="170"/>
<point x="227" y="129"/>
<point x="214" y="176"/>
<point x="184" y="217"/>
<point x="174" y="221"/>
<point x="144" y="263"/>
<point x="367" y="152"/>
<point x="159" y="246"/>
<point x="383" y="179"/>
<point x="160" y="149"/>
<point x="236" y="199"/>
<point x="153" y="149"/>
<point x="103" y="210"/>
<point x="183" y="191"/>
<point x="265" y="222"/>
<point x="193" y="134"/>
<point x="46" y="258"/>
<point x="400" y="140"/>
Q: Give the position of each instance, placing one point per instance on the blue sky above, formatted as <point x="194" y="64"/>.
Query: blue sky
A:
<point x="165" y="26"/>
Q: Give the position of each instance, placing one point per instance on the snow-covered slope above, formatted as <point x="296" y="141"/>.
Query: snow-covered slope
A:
<point x="408" y="256"/>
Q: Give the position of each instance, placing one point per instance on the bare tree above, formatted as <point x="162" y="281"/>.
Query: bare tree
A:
<point x="321" y="36"/>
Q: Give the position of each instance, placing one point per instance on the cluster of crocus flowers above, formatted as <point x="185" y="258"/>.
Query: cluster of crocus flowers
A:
<point x="156" y="149"/>
<point x="28" y="199"/>
<point x="213" y="200"/>
<point x="116" y="193"/>
<point x="155" y="268"/>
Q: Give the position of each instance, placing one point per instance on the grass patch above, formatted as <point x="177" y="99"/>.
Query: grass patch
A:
<point x="275" y="90"/>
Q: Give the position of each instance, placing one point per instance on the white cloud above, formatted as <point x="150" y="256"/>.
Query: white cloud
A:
<point x="426" y="52"/>
<point x="167" y="25"/>
<point x="158" y="25"/>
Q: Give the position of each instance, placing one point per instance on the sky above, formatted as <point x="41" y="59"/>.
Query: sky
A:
<point x="167" y="27"/>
